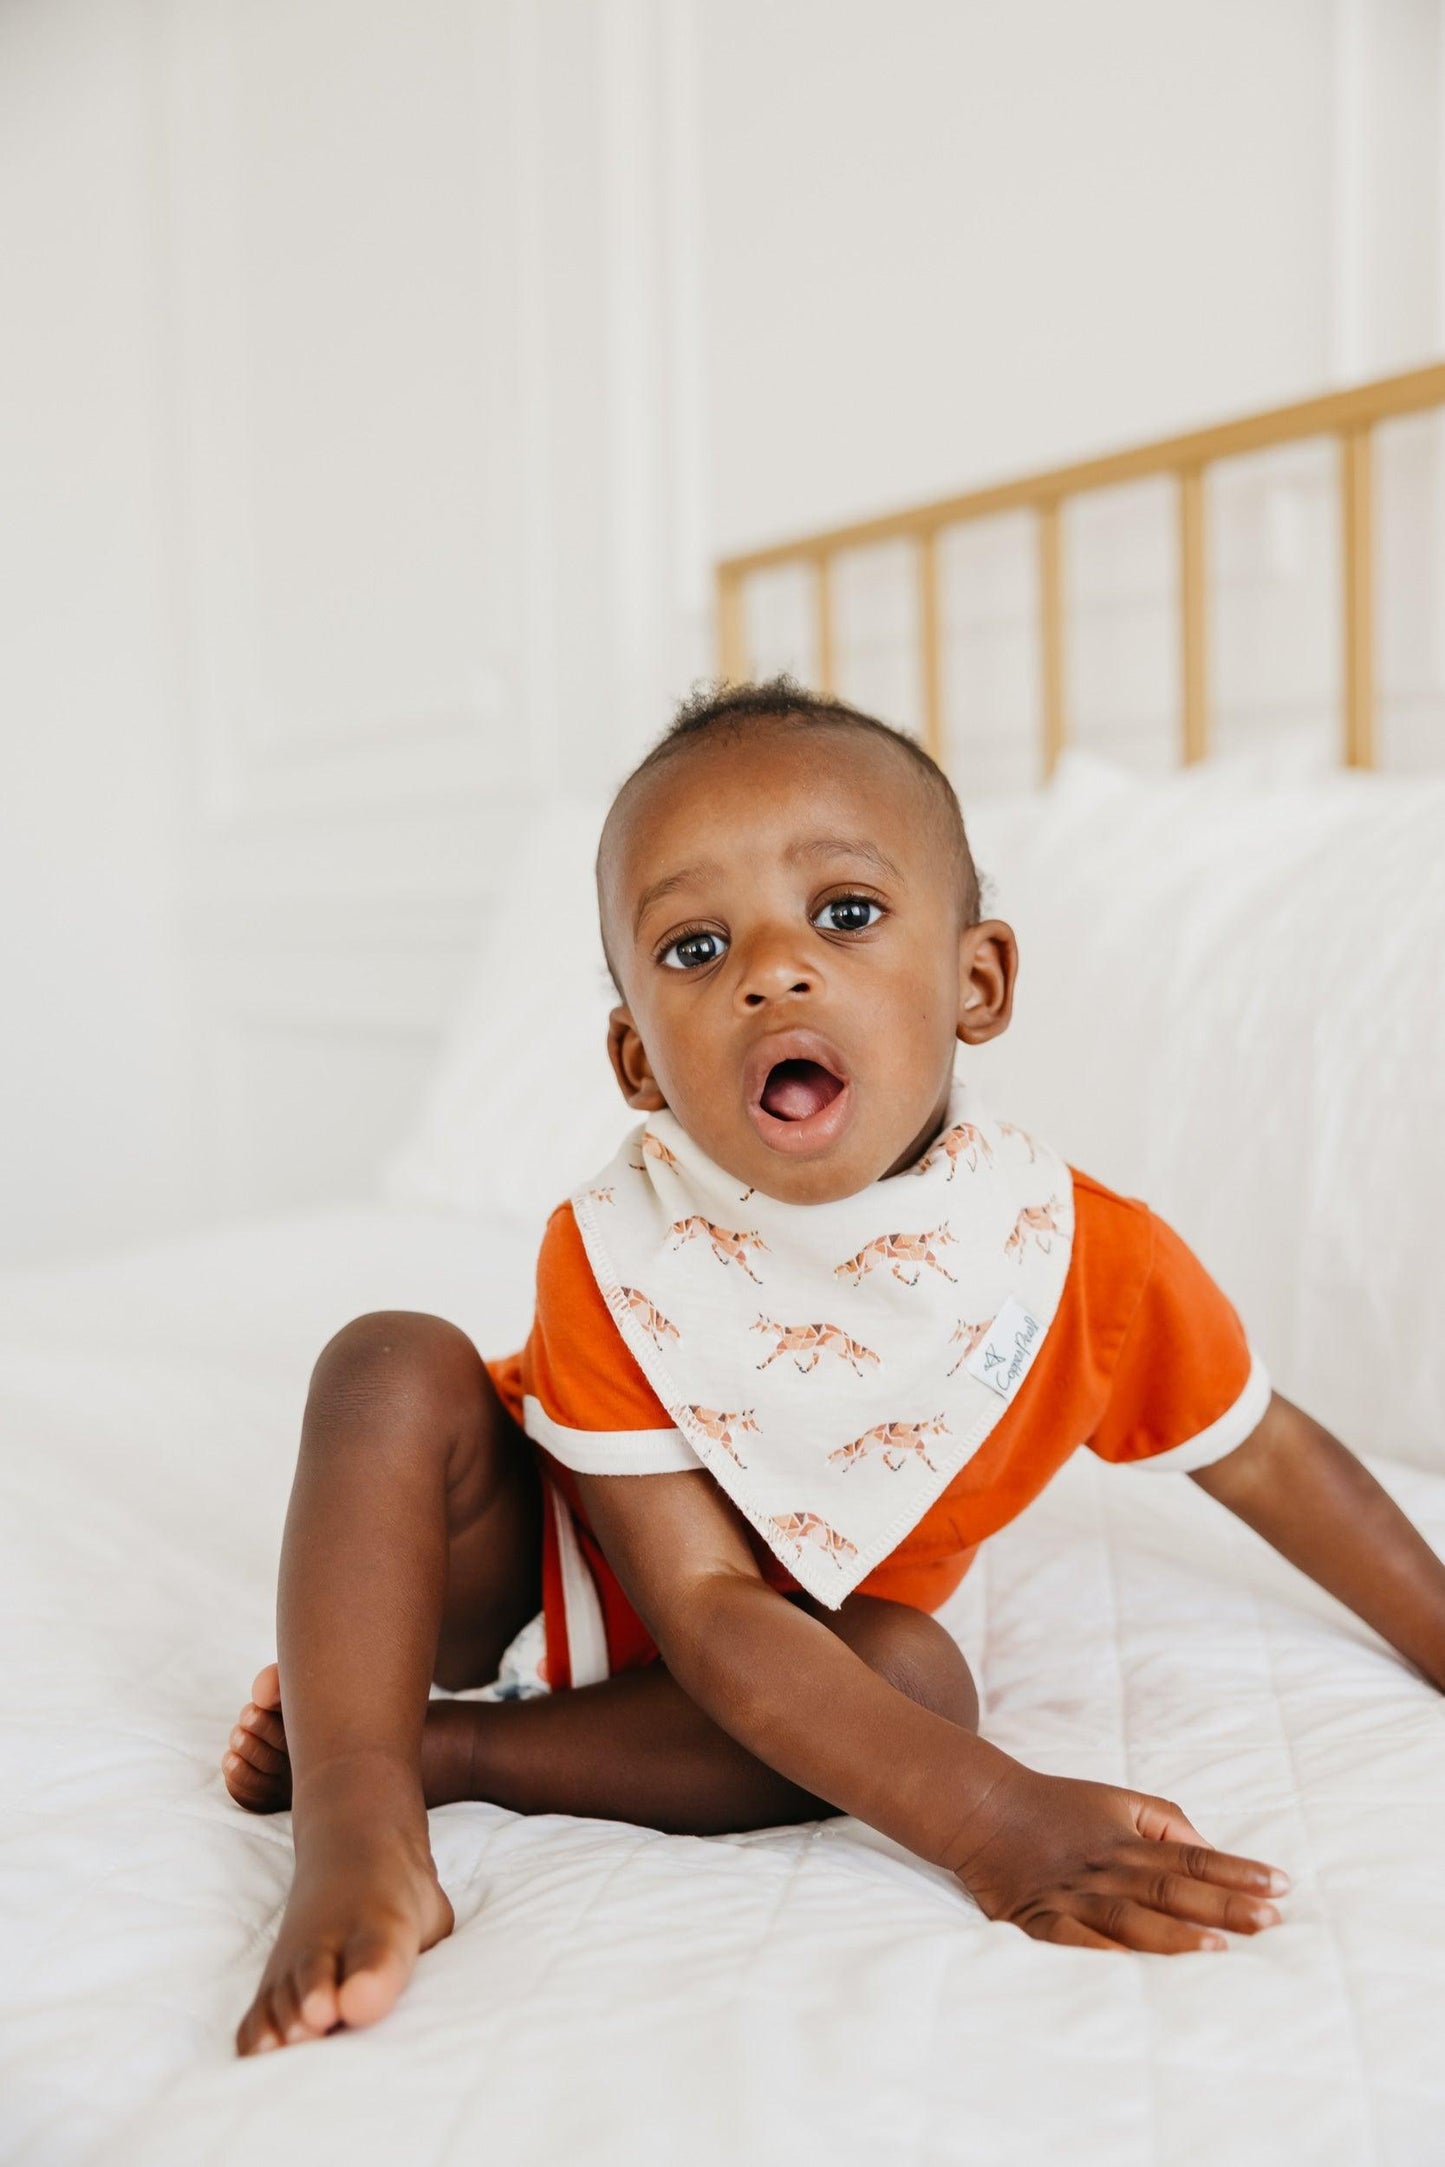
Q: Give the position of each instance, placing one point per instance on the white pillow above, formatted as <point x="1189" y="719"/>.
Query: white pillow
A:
<point x="1229" y="1003"/>
<point x="523" y="1104"/>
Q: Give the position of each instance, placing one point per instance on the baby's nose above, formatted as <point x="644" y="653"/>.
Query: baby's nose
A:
<point x="771" y="971"/>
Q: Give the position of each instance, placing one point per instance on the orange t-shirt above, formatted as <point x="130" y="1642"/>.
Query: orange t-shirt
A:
<point x="1146" y="1361"/>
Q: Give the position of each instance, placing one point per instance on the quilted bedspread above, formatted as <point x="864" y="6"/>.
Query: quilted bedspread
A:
<point x="614" y="1995"/>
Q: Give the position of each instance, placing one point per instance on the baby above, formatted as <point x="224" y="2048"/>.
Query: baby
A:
<point x="878" y="1319"/>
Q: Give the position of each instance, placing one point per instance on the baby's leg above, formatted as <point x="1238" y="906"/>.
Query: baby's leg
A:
<point x="412" y="1549"/>
<point x="637" y="1748"/>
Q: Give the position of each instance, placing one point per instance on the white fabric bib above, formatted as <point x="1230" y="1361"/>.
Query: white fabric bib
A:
<point x="834" y="1365"/>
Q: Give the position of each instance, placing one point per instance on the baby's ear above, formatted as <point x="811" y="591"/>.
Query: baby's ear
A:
<point x="629" y="1063"/>
<point x="988" y="967"/>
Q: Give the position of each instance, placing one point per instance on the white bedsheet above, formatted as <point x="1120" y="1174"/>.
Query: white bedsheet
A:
<point x="616" y="1995"/>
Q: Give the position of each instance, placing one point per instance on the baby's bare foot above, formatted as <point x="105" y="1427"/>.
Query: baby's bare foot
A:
<point x="257" y="1767"/>
<point x="364" y="1903"/>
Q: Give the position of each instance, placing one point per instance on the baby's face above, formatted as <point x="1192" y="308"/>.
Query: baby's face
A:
<point x="780" y="908"/>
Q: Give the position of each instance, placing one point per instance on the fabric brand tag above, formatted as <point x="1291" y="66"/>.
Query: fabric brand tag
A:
<point x="1003" y="1357"/>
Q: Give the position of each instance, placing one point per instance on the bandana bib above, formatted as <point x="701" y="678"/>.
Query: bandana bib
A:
<point x="833" y="1366"/>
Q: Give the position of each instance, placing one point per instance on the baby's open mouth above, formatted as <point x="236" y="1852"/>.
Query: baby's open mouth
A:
<point x="796" y="1090"/>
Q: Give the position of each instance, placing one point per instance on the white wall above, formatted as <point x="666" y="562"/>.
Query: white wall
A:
<point x="999" y="238"/>
<point x="378" y="382"/>
<point x="1001" y="235"/>
<point x="94" y="1105"/>
<point x="343" y="521"/>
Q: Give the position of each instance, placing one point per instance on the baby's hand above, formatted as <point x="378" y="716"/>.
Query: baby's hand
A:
<point x="1107" y="1869"/>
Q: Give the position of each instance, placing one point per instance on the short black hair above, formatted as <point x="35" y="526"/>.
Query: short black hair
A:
<point x="713" y="707"/>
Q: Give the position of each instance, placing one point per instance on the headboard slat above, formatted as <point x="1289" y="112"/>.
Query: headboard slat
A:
<point x="823" y="621"/>
<point x="1193" y="617"/>
<point x="1357" y="561"/>
<point x="930" y="649"/>
<point x="1051" y="633"/>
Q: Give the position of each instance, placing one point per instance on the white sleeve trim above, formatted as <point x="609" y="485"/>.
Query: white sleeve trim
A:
<point x="1233" y="1426"/>
<point x="609" y="1452"/>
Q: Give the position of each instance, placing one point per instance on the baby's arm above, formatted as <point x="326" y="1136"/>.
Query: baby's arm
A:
<point x="1064" y="1860"/>
<point x="1311" y="1499"/>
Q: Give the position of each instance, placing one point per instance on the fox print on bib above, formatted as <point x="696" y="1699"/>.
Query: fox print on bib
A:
<point x="833" y="1366"/>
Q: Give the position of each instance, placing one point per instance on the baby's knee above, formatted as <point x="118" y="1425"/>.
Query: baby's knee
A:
<point x="397" y="1359"/>
<point x="922" y="1659"/>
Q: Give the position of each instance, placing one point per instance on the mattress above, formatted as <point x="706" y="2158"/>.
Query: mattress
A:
<point x="612" y="1994"/>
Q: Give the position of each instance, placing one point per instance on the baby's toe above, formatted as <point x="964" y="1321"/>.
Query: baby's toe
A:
<point x="264" y="1723"/>
<point x="286" y="2009"/>
<point x="283" y="2007"/>
<point x="258" y="1788"/>
<point x="257" y="2032"/>
<point x="256" y="1754"/>
<point x="266" y="1691"/>
<point x="260" y="1737"/>
<point x="315" y="1979"/>
<point x="374" y="1969"/>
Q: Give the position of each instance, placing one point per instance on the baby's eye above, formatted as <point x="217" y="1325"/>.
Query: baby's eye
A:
<point x="848" y="914"/>
<point x="691" y="950"/>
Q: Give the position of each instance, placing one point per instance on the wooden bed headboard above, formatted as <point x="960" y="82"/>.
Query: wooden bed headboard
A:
<point x="1350" y="417"/>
